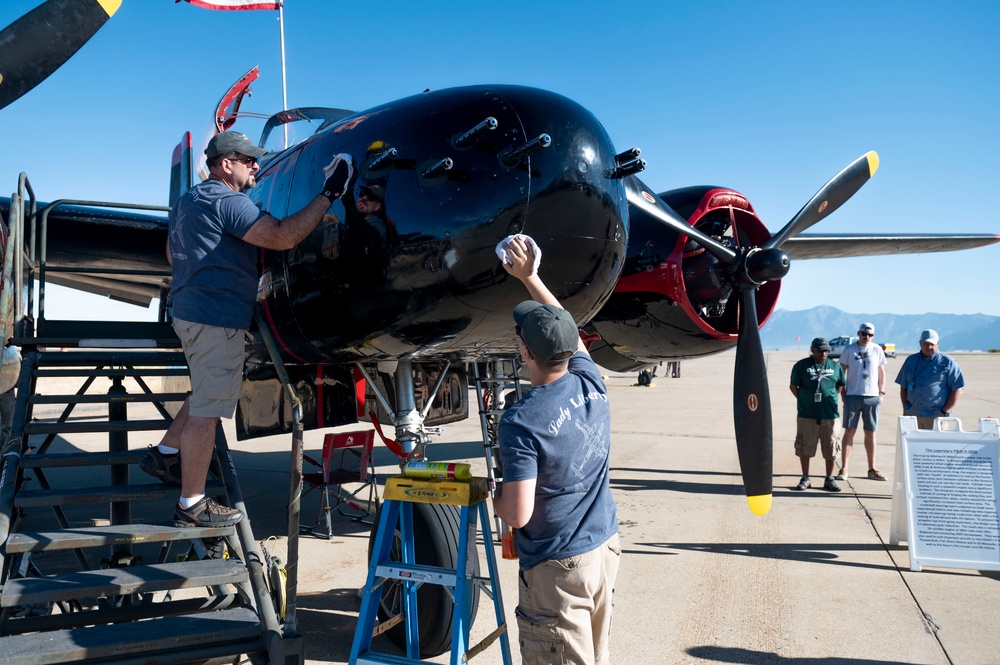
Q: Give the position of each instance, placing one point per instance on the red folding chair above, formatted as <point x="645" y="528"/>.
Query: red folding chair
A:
<point x="346" y="460"/>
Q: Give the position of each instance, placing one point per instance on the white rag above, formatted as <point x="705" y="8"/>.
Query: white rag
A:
<point x="502" y="251"/>
<point x="337" y="159"/>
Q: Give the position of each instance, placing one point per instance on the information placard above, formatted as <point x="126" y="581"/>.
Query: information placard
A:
<point x="947" y="487"/>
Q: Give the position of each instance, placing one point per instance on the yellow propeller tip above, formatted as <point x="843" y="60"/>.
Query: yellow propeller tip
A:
<point x="872" y="162"/>
<point x="110" y="6"/>
<point x="759" y="504"/>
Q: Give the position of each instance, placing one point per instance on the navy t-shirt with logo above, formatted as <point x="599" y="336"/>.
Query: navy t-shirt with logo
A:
<point x="560" y="434"/>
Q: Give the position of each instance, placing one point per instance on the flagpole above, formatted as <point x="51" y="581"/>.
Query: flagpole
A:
<point x="284" y="88"/>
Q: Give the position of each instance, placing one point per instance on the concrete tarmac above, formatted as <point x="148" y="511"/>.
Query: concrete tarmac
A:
<point x="702" y="579"/>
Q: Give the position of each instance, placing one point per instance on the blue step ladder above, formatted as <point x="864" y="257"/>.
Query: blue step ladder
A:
<point x="400" y="493"/>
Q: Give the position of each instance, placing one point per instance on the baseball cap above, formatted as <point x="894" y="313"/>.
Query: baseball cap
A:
<point x="929" y="336"/>
<point x="867" y="327"/>
<point x="548" y="331"/>
<point x="227" y="142"/>
<point x="820" y="344"/>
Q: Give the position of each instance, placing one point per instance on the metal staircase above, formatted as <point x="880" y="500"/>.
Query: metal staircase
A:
<point x="92" y="568"/>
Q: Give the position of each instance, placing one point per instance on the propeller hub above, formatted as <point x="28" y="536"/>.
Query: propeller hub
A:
<point x="766" y="265"/>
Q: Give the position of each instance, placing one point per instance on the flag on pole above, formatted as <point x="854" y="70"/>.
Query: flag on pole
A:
<point x="234" y="4"/>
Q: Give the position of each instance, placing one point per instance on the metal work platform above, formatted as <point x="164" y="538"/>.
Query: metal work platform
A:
<point x="91" y="560"/>
<point x="92" y="567"/>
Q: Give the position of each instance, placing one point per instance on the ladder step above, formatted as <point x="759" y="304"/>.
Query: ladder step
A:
<point x="416" y="572"/>
<point x="111" y="493"/>
<point x="122" y="581"/>
<point x="96" y="426"/>
<point x="212" y="634"/>
<point x="372" y="658"/>
<point x="108" y="398"/>
<point x="110" y="536"/>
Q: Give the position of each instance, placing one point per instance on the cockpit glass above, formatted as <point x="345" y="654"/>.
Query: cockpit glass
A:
<point x="290" y="127"/>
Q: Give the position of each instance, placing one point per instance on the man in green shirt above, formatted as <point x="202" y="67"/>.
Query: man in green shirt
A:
<point x="816" y="383"/>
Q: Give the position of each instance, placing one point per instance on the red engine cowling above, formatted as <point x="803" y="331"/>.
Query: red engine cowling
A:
<point x="674" y="300"/>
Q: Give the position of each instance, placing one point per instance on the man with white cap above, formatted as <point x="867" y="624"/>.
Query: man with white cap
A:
<point x="864" y="363"/>
<point x="930" y="383"/>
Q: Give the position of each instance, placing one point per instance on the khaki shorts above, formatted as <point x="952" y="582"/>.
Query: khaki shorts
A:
<point x="215" y="358"/>
<point x="808" y="433"/>
<point x="564" y="608"/>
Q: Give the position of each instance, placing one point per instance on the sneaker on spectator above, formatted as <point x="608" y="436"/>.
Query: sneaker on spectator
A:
<point x="207" y="512"/>
<point x="831" y="485"/>
<point x="804" y="484"/>
<point x="165" y="468"/>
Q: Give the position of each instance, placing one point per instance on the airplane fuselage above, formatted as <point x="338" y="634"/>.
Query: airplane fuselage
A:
<point x="421" y="277"/>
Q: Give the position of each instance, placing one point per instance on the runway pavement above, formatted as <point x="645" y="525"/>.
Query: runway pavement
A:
<point x="702" y="579"/>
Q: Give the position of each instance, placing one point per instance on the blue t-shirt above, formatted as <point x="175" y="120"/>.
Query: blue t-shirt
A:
<point x="928" y="382"/>
<point x="560" y="434"/>
<point x="214" y="270"/>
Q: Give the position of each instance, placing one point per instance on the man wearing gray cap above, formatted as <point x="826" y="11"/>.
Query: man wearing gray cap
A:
<point x="816" y="383"/>
<point x="930" y="382"/>
<point x="213" y="235"/>
<point x="864" y="363"/>
<point x="555" y="446"/>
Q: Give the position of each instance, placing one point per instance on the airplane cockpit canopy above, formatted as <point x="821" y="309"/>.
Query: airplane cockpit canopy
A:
<point x="287" y="128"/>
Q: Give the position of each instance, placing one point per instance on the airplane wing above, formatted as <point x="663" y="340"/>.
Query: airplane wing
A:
<point x="846" y="245"/>
<point x="119" y="252"/>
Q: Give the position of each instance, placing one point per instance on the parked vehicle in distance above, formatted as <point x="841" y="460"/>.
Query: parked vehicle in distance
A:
<point x="838" y="344"/>
<point x="890" y="349"/>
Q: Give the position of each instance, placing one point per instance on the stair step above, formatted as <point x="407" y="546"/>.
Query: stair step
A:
<point x="204" y="636"/>
<point x="108" y="398"/>
<point x="122" y="581"/>
<point x="111" y="536"/>
<point x="106" y="494"/>
<point x="60" y="460"/>
<point x="70" y="373"/>
<point x="96" y="426"/>
<point x="128" y="358"/>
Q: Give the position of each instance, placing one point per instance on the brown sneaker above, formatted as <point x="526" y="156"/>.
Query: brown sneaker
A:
<point x="875" y="474"/>
<point x="165" y="468"/>
<point x="206" y="512"/>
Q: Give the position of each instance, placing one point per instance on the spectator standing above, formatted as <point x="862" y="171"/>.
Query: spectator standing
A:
<point x="930" y="382"/>
<point x="816" y="383"/>
<point x="864" y="363"/>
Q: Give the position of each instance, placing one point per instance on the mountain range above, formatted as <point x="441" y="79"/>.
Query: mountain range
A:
<point x="787" y="330"/>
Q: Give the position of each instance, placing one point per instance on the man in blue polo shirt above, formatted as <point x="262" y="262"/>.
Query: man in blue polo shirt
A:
<point x="930" y="383"/>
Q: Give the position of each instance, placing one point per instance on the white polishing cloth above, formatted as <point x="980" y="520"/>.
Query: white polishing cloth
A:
<point x="502" y="252"/>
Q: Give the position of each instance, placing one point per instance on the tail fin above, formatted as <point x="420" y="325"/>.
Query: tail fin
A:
<point x="181" y="169"/>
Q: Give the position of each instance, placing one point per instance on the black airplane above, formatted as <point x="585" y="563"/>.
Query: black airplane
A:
<point x="649" y="276"/>
<point x="400" y="288"/>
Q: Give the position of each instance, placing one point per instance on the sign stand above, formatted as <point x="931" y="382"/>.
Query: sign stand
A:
<point x="944" y="501"/>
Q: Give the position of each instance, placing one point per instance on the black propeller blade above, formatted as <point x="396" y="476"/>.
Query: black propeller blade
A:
<point x="831" y="196"/>
<point x="752" y="408"/>
<point x="39" y="42"/>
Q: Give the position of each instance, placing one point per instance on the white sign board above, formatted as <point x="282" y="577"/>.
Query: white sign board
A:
<point x="944" y="503"/>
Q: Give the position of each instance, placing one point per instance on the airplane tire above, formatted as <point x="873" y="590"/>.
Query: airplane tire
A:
<point x="436" y="545"/>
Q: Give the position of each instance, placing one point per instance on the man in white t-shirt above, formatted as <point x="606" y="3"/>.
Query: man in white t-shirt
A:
<point x="864" y="363"/>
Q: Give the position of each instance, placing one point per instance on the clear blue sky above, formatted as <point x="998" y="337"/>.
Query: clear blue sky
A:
<point x="770" y="98"/>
